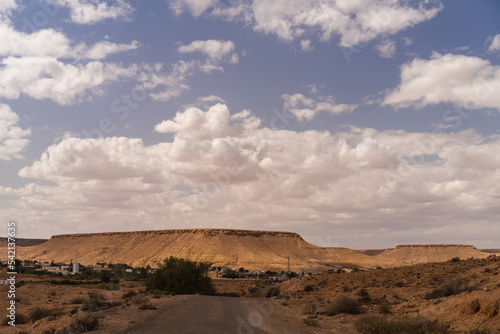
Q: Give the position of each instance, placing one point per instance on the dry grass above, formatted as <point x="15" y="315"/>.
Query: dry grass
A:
<point x="85" y="323"/>
<point x="39" y="313"/>
<point x="312" y="321"/>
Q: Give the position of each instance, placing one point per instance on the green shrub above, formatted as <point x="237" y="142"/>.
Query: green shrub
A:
<point x="375" y="324"/>
<point x="181" y="276"/>
<point x="344" y="304"/>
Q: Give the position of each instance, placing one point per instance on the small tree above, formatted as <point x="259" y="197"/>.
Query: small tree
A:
<point x="181" y="276"/>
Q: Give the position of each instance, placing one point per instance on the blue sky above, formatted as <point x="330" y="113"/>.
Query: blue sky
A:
<point x="354" y="123"/>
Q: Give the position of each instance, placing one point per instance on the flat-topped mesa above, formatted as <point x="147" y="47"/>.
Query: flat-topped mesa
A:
<point x="436" y="246"/>
<point x="203" y="231"/>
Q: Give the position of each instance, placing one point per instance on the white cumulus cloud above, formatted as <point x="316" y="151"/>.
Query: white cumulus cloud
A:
<point x="305" y="108"/>
<point x="173" y="83"/>
<point x="494" y="43"/>
<point x="466" y="81"/>
<point x="12" y="138"/>
<point x="94" y="11"/>
<point x="354" y="22"/>
<point x="387" y="48"/>
<point x="48" y="78"/>
<point x="215" y="49"/>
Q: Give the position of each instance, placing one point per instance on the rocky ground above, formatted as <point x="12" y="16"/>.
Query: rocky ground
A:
<point x="464" y="295"/>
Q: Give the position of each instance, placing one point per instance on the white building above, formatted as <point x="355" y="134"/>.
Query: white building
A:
<point x="76" y="268"/>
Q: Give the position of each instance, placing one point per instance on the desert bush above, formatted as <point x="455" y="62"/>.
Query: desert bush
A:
<point x="77" y="300"/>
<point x="272" y="292"/>
<point x="157" y="294"/>
<point x="39" y="313"/>
<point x="20" y="319"/>
<point x="457" y="286"/>
<point x="375" y="324"/>
<point x="364" y="296"/>
<point x="109" y="286"/>
<point x="139" y="299"/>
<point x="454" y="259"/>
<point x="312" y="321"/>
<point x="308" y="288"/>
<point x="257" y="294"/>
<point x="147" y="306"/>
<point x="285" y="303"/>
<point x="85" y="323"/>
<point x="344" y="304"/>
<point x="129" y="294"/>
<point x="384" y="307"/>
<point x="309" y="308"/>
<point x="97" y="301"/>
<point x="181" y="276"/>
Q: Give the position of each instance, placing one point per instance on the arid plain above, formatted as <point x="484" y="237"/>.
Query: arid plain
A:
<point x="456" y="285"/>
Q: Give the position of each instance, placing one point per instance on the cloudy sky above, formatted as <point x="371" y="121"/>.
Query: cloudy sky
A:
<point x="355" y="123"/>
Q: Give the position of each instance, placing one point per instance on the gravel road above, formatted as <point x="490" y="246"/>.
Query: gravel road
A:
<point x="217" y="315"/>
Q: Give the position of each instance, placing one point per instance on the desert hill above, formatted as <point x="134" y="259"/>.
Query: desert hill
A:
<point x="413" y="254"/>
<point x="219" y="247"/>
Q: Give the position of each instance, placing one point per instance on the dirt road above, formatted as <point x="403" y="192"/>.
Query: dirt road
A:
<point x="218" y="315"/>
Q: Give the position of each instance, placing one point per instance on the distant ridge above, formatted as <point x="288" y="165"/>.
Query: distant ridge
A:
<point x="421" y="253"/>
